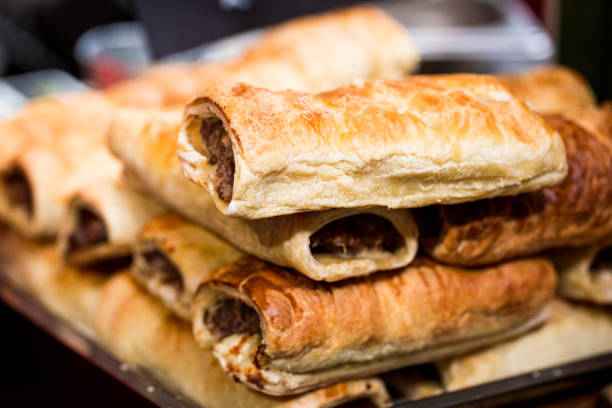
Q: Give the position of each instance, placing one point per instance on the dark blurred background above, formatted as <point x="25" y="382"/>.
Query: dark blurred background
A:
<point x="42" y="34"/>
<point x="39" y="34"/>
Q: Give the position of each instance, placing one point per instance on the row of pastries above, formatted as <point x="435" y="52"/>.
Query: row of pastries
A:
<point x="283" y="228"/>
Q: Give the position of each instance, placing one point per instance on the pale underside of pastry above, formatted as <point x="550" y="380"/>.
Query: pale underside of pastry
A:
<point x="65" y="150"/>
<point x="172" y="256"/>
<point x="576" y="212"/>
<point x="585" y="273"/>
<point x="551" y="89"/>
<point x="71" y="294"/>
<point x="395" y="143"/>
<point x="103" y="222"/>
<point x="313" y="53"/>
<point x="140" y="331"/>
<point x="324" y="245"/>
<point x="572" y="333"/>
<point x="281" y="333"/>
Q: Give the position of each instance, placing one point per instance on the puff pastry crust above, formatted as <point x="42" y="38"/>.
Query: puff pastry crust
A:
<point x="573" y="332"/>
<point x="64" y="151"/>
<point x="313" y="53"/>
<point x="173" y="255"/>
<point x="576" y="212"/>
<point x="141" y="332"/>
<point x="585" y="273"/>
<point x="104" y="219"/>
<point x="406" y="143"/>
<point x="145" y="142"/>
<point x="551" y="89"/>
<point x="310" y="334"/>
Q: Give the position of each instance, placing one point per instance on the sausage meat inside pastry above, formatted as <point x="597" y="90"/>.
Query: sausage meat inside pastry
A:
<point x="355" y="235"/>
<point x="103" y="222"/>
<point x="393" y="143"/>
<point x="18" y="190"/>
<point x="281" y="333"/>
<point x="89" y="231"/>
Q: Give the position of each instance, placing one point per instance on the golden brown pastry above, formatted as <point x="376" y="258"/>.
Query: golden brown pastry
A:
<point x="103" y="222"/>
<point x="551" y="89"/>
<point x="172" y="256"/>
<point x="576" y="212"/>
<point x="311" y="53"/>
<point x="140" y="331"/>
<point x="19" y="130"/>
<point x="585" y="273"/>
<point x="406" y="143"/>
<point x="281" y="333"/>
<point x="596" y="120"/>
<point x="573" y="332"/>
<point x="65" y="150"/>
<point x="324" y="245"/>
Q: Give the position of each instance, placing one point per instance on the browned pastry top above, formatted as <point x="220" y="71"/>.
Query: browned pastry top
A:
<point x="576" y="212"/>
<point x="422" y="303"/>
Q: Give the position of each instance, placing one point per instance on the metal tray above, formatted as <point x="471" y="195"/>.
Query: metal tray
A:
<point x="593" y="372"/>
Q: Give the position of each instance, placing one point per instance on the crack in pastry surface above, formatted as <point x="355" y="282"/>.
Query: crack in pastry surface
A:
<point x="18" y="190"/>
<point x="349" y="237"/>
<point x="220" y="156"/>
<point x="165" y="269"/>
<point x="89" y="231"/>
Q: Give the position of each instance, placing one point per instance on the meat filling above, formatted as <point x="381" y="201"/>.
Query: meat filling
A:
<point x="168" y="272"/>
<point x="603" y="259"/>
<point x="220" y="156"/>
<point x="18" y="190"/>
<point x="89" y="231"/>
<point x="231" y="316"/>
<point x="350" y="236"/>
<point x="430" y="224"/>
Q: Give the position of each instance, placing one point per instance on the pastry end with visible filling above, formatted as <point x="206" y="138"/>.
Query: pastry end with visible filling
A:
<point x="165" y="270"/>
<point x="229" y="316"/>
<point x="89" y="231"/>
<point x="352" y="236"/>
<point x="18" y="190"/>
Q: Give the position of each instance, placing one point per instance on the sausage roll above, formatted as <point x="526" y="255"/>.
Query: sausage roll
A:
<point x="172" y="256"/>
<point x="585" y="273"/>
<point x="576" y="212"/>
<point x="572" y="333"/>
<point x="312" y="53"/>
<point x="65" y="151"/>
<point x="141" y="332"/>
<point x="281" y="333"/>
<point x="325" y="245"/>
<point x="551" y="89"/>
<point x="103" y="222"/>
<point x="407" y="143"/>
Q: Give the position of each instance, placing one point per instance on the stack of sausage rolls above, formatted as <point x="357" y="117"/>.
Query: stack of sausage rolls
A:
<point x="283" y="228"/>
